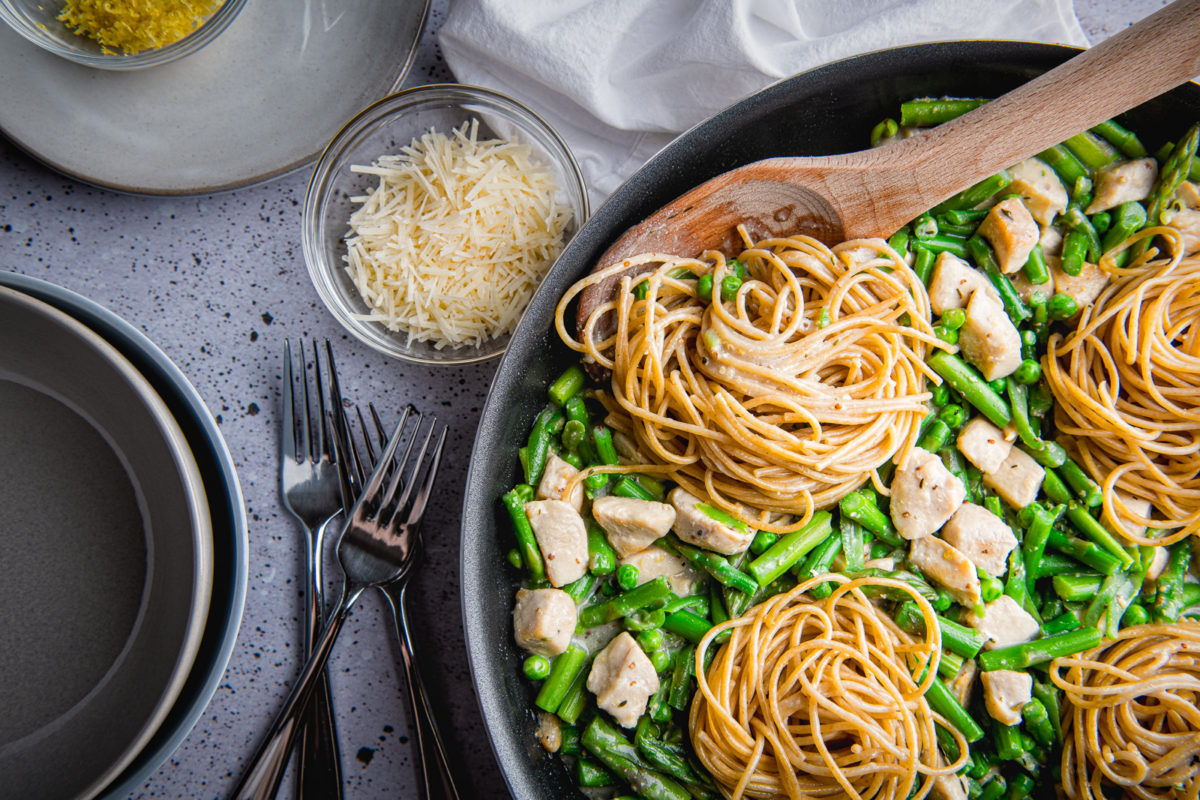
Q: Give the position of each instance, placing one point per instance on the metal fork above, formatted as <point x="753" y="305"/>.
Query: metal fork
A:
<point x="310" y="487"/>
<point x="376" y="546"/>
<point x="436" y="776"/>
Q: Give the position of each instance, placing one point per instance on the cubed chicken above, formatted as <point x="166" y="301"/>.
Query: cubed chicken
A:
<point x="982" y="537"/>
<point x="948" y="787"/>
<point x="983" y="444"/>
<point x="963" y="684"/>
<point x="654" y="561"/>
<point x="953" y="282"/>
<point x="1084" y="287"/>
<point x="562" y="537"/>
<point x="694" y="526"/>
<point x="544" y="620"/>
<point x="1122" y="182"/>
<point x="1039" y="188"/>
<point x="1004" y="623"/>
<point x="631" y="524"/>
<point x="1051" y="241"/>
<point x="1133" y="505"/>
<point x="946" y="565"/>
<point x="622" y="678"/>
<point x="988" y="339"/>
<point x="549" y="732"/>
<point x="1158" y="562"/>
<point x="1012" y="232"/>
<point x="1017" y="480"/>
<point x="1027" y="289"/>
<point x="1005" y="693"/>
<point x="1187" y="222"/>
<point x="555" y="478"/>
<point x="924" y="495"/>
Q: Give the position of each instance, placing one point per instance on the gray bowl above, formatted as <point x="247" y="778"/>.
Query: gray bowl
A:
<point x="827" y="110"/>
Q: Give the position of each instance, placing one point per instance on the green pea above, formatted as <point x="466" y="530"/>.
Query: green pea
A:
<point x="660" y="660"/>
<point x="729" y="287"/>
<point x="1061" y="306"/>
<point x="943" y="601"/>
<point x="990" y="588"/>
<point x="762" y="542"/>
<point x="1030" y="371"/>
<point x="514" y="558"/>
<point x="953" y="415"/>
<point x="627" y="576"/>
<point x="941" y="394"/>
<point x="650" y="640"/>
<point x="998" y="386"/>
<point x="1136" y="614"/>
<point x="640" y="621"/>
<point x="954" y="318"/>
<point x="536" y="667"/>
<point x="572" y="434"/>
<point x="1102" y="222"/>
<point x="947" y="335"/>
<point x="704" y="287"/>
<point x="736" y="267"/>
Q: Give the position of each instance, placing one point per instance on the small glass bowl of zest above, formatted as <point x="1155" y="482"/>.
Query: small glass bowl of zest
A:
<point x="139" y="33"/>
<point x="432" y="217"/>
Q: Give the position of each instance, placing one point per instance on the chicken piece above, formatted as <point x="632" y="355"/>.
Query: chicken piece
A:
<point x="1039" y="189"/>
<point x="544" y="620"/>
<point x="1026" y="288"/>
<point x="963" y="684"/>
<point x="555" y="477"/>
<point x="1188" y="193"/>
<point x="631" y="524"/>
<point x="622" y="678"/>
<point x="1051" y="241"/>
<point x="562" y="537"/>
<point x="549" y="732"/>
<point x="1187" y="222"/>
<point x="654" y="561"/>
<point x="1005" y="693"/>
<point x="988" y="339"/>
<point x="953" y="282"/>
<point x="1134" y="505"/>
<point x="1012" y="232"/>
<point x="948" y="787"/>
<point x="1122" y="182"/>
<point x="924" y="495"/>
<point x="694" y="526"/>
<point x="1004" y="623"/>
<point x="1017" y="480"/>
<point x="1084" y="287"/>
<point x="983" y="444"/>
<point x="1158" y="562"/>
<point x="982" y="537"/>
<point x="945" y="564"/>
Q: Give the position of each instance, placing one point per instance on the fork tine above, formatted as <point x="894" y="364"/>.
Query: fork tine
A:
<point x="399" y="475"/>
<point x="362" y="424"/>
<point x="288" y="433"/>
<point x="343" y="461"/>
<point x="416" y="467"/>
<point x="418" y="506"/>
<point x="380" y="431"/>
<point x="321" y="429"/>
<point x="371" y="491"/>
<point x="305" y="443"/>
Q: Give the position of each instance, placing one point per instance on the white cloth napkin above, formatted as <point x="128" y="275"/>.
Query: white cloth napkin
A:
<point x="618" y="79"/>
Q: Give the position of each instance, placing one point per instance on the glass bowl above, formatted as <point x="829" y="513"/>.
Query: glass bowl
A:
<point x="37" y="21"/>
<point x="384" y="128"/>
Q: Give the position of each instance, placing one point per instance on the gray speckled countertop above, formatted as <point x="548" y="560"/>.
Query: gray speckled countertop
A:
<point x="218" y="282"/>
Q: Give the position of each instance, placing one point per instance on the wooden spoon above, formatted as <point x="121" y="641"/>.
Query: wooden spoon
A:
<point x="874" y="192"/>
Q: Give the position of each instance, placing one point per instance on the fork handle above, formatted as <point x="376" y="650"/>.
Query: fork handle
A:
<point x="435" y="767"/>
<point x="261" y="780"/>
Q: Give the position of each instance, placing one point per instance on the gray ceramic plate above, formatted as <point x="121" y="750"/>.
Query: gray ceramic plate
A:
<point x="226" y="507"/>
<point x="261" y="100"/>
<point x="828" y="110"/>
<point x="107" y="548"/>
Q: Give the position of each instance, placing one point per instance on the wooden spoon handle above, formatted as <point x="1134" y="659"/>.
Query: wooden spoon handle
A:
<point x="1136" y="65"/>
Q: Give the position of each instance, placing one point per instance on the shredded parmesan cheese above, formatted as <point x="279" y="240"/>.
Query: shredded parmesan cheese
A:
<point x="455" y="237"/>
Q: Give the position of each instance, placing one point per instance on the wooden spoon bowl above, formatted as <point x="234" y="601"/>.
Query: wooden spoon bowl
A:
<point x="874" y="192"/>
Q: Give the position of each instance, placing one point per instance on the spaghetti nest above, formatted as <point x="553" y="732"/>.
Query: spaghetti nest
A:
<point x="1131" y="717"/>
<point x="782" y="396"/>
<point x="817" y="698"/>
<point x="1127" y="386"/>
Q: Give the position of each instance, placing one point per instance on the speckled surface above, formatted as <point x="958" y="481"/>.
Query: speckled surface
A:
<point x="218" y="282"/>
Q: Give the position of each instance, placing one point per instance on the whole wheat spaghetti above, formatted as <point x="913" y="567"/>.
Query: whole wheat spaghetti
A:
<point x="1127" y="387"/>
<point x="821" y="698"/>
<point x="783" y="397"/>
<point x="1130" y="715"/>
